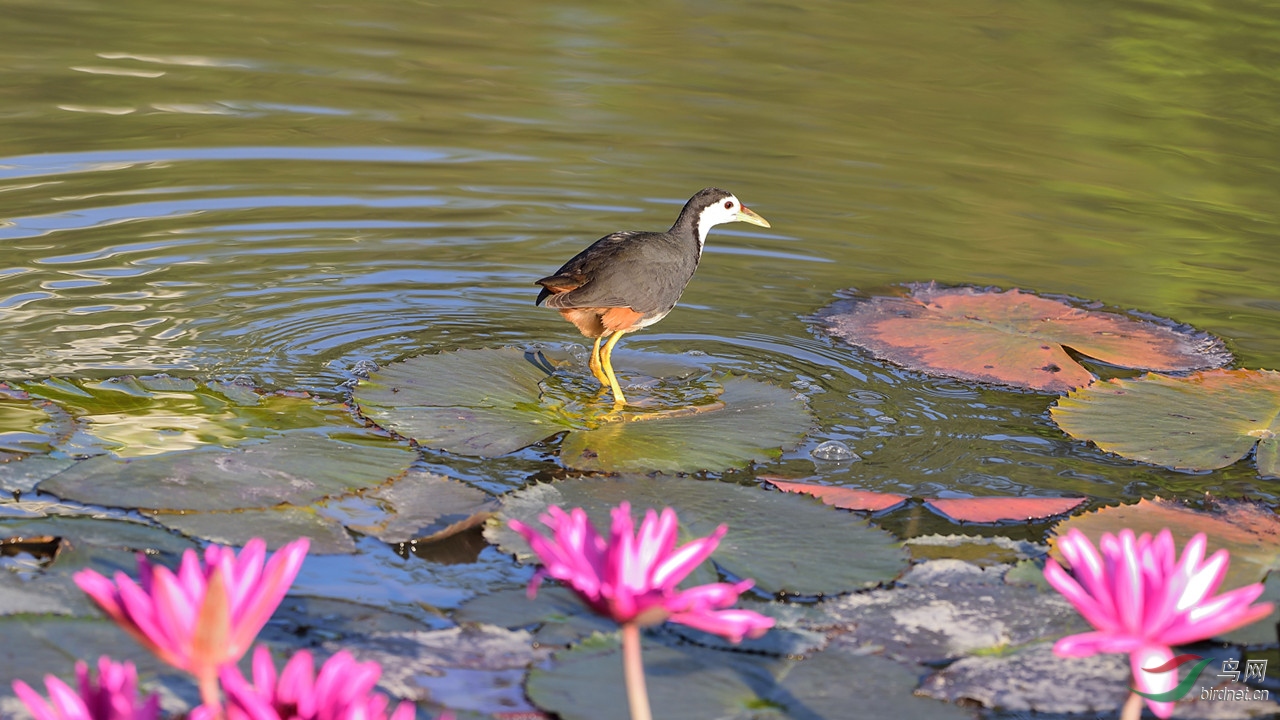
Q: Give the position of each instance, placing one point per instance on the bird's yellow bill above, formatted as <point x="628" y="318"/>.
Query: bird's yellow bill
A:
<point x="746" y="214"/>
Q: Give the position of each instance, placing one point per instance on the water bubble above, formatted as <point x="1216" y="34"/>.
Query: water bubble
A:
<point x="834" y="450"/>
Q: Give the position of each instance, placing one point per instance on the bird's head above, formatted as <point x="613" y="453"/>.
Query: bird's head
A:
<point x="714" y="206"/>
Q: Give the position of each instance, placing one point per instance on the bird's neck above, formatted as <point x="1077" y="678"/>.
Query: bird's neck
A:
<point x="693" y="226"/>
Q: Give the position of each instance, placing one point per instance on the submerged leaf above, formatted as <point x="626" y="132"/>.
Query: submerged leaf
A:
<point x="834" y="552"/>
<point x="1012" y="338"/>
<point x="1205" y="421"/>
<point x="297" y="468"/>
<point x="134" y="417"/>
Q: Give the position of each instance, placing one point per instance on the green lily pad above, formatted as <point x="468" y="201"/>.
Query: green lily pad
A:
<point x="297" y="468"/>
<point x="424" y="506"/>
<point x="786" y="543"/>
<point x="277" y="526"/>
<point x="756" y="421"/>
<point x="134" y="417"/>
<point x="35" y="646"/>
<point x="104" y="545"/>
<point x="585" y="682"/>
<point x="22" y="476"/>
<point x="492" y="402"/>
<point x="1205" y="421"/>
<point x="470" y="402"/>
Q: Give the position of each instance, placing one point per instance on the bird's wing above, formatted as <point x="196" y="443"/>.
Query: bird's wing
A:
<point x="617" y="271"/>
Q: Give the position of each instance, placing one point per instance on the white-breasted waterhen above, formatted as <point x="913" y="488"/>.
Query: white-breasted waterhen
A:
<point x="629" y="280"/>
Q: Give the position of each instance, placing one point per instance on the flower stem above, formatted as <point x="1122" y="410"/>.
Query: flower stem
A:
<point x="1132" y="709"/>
<point x="633" y="669"/>
<point x="209" y="694"/>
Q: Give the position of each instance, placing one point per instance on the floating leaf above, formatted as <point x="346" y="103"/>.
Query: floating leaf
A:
<point x="297" y="468"/>
<point x="1249" y="531"/>
<point x="477" y="668"/>
<point x="104" y="545"/>
<point x="1035" y="679"/>
<point x="277" y="526"/>
<point x="1205" y="421"/>
<point x="22" y="476"/>
<point x="836" y="552"/>
<point x="470" y="402"/>
<point x="424" y="505"/>
<point x="757" y="419"/>
<point x="492" y="402"/>
<point x="945" y="609"/>
<point x="694" y="683"/>
<point x="842" y="497"/>
<point x="1012" y="338"/>
<point x="1003" y="509"/>
<point x="35" y="646"/>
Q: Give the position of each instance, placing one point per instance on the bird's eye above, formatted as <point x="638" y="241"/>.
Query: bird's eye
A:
<point x="728" y="204"/>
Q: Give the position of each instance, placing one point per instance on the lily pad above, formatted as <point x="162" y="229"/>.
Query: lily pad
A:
<point x="757" y="420"/>
<point x="35" y="646"/>
<point x="1013" y="338"/>
<point x="945" y="609"/>
<point x="425" y="506"/>
<point x="786" y="543"/>
<point x="104" y="545"/>
<point x="1205" y="421"/>
<point x="277" y="526"/>
<point x="492" y="402"/>
<point x="477" y="667"/>
<point x="1003" y="509"/>
<point x="1249" y="531"/>
<point x="297" y="468"/>
<point x="585" y="682"/>
<point x="846" y="498"/>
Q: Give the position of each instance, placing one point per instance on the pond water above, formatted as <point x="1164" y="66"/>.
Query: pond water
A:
<point x="281" y="192"/>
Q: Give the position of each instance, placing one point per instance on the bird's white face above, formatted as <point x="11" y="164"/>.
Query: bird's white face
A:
<point x="727" y="209"/>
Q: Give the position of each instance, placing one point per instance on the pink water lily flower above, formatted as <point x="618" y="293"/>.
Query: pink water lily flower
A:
<point x="342" y="690"/>
<point x="113" y="696"/>
<point x="208" y="613"/>
<point x="632" y="577"/>
<point x="1143" y="599"/>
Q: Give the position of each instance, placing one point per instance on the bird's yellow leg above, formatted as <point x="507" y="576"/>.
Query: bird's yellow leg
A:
<point x="595" y="362"/>
<point x="606" y="363"/>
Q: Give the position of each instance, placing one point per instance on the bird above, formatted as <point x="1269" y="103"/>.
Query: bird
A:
<point x="630" y="279"/>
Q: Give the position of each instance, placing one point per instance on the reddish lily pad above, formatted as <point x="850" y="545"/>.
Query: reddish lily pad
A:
<point x="1013" y="338"/>
<point x="1249" y="531"/>
<point x="1205" y="421"/>
<point x="1003" y="509"/>
<point x="846" y="498"/>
